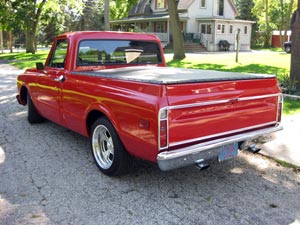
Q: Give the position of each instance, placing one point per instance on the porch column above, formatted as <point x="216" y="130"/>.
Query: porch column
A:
<point x="168" y="30"/>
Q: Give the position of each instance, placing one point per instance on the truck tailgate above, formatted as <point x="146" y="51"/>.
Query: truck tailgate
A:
<point x="208" y="110"/>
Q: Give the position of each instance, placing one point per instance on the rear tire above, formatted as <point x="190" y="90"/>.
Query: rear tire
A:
<point x="108" y="151"/>
<point x="33" y="115"/>
<point x="287" y="49"/>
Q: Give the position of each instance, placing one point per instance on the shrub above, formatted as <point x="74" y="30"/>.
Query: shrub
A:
<point x="288" y="86"/>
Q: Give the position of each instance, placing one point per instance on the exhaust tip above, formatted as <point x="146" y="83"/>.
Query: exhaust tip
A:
<point x="249" y="146"/>
<point x="202" y="166"/>
<point x="253" y="149"/>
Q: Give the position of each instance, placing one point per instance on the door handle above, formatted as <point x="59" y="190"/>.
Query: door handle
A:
<point x="61" y="78"/>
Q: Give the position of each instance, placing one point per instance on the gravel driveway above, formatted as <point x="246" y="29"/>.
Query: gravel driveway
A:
<point x="47" y="176"/>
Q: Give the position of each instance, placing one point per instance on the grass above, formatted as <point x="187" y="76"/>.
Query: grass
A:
<point x="265" y="62"/>
<point x="291" y="107"/>
<point x="24" y="60"/>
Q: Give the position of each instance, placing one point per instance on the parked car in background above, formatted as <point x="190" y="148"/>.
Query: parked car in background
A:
<point x="287" y="46"/>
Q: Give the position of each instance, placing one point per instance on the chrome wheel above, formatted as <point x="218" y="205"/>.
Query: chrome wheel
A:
<point x="108" y="150"/>
<point x="103" y="147"/>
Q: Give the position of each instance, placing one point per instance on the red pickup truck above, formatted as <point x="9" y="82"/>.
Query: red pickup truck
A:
<point x="115" y="89"/>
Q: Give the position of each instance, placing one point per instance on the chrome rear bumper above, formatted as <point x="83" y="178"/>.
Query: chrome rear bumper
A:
<point x="190" y="155"/>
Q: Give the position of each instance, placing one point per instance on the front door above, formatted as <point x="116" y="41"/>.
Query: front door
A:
<point x="50" y="82"/>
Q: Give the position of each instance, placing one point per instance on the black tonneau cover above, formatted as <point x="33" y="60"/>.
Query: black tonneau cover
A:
<point x="169" y="75"/>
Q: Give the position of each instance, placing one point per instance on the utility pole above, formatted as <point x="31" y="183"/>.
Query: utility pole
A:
<point x="106" y="15"/>
<point x="237" y="45"/>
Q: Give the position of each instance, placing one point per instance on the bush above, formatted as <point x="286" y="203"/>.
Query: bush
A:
<point x="287" y="86"/>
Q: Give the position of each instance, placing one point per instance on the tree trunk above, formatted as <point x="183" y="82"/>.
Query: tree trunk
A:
<point x="10" y="41"/>
<point x="178" y="44"/>
<point x="30" y="41"/>
<point x="267" y="36"/>
<point x="287" y="25"/>
<point x="31" y="27"/>
<point x="295" y="53"/>
<point x="1" y="40"/>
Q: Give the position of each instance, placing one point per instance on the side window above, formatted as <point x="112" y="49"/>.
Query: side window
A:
<point x="59" y="54"/>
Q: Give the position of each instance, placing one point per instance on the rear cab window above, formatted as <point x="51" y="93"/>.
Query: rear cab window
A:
<point x="117" y="52"/>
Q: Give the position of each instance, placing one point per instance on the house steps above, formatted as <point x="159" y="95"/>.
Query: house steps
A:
<point x="189" y="47"/>
<point x="194" y="47"/>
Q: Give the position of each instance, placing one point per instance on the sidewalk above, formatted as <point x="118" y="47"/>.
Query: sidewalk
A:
<point x="286" y="146"/>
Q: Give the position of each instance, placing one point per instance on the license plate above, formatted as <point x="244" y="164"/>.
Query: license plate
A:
<point x="228" y="151"/>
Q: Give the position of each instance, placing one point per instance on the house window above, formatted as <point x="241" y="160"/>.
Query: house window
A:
<point x="245" y="29"/>
<point x="221" y="29"/>
<point x="160" y="27"/>
<point x="230" y="29"/>
<point x="205" y="28"/>
<point x="220" y="7"/>
<point x="202" y="3"/>
<point x="160" y="4"/>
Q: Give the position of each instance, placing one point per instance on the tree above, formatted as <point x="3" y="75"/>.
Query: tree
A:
<point x="119" y="8"/>
<point x="288" y="16"/>
<point x="178" y="43"/>
<point x="245" y="13"/>
<point x="27" y="14"/>
<point x="6" y="21"/>
<point x="280" y="15"/>
<point x="30" y="11"/>
<point x="295" y="53"/>
<point x="91" y="18"/>
<point x="261" y="10"/>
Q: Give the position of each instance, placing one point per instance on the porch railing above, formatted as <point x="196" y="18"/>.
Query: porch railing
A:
<point x="162" y="36"/>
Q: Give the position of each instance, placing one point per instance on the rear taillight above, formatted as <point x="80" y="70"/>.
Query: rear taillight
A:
<point x="279" y="108"/>
<point x="163" y="129"/>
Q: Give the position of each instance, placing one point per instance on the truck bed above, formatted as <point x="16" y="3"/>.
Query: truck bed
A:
<point x="165" y="75"/>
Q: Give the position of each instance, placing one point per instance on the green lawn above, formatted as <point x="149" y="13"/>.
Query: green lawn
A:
<point x="24" y="60"/>
<point x="265" y="62"/>
<point x="291" y="107"/>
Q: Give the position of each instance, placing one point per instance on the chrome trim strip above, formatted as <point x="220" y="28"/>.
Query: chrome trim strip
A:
<point x="159" y="119"/>
<point x="279" y="106"/>
<point x="189" y="155"/>
<point x="222" y="134"/>
<point x="221" y="101"/>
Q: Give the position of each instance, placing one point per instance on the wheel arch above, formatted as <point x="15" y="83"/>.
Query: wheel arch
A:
<point x="95" y="114"/>
<point x="23" y="95"/>
<point x="92" y="116"/>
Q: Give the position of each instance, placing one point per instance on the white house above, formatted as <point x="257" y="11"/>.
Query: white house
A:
<point x="205" y="22"/>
